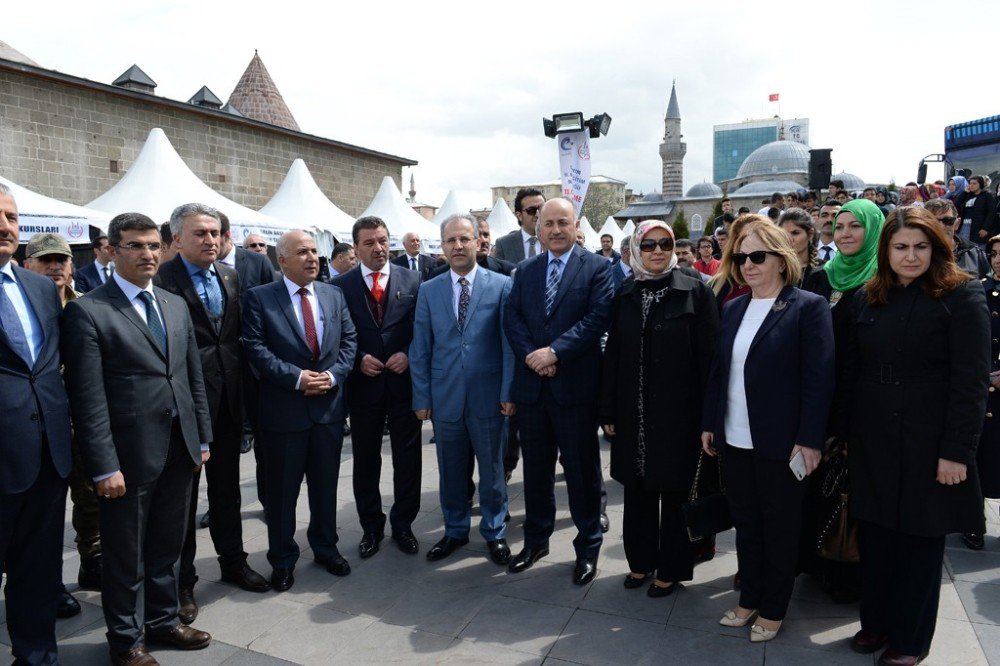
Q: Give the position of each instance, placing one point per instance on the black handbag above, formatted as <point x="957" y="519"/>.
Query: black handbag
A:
<point x="706" y="514"/>
<point x="838" y="537"/>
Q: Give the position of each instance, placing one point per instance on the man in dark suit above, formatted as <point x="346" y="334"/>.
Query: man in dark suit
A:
<point x="299" y="337"/>
<point x="134" y="377"/>
<point x="35" y="453"/>
<point x="210" y="291"/>
<point x="519" y="245"/>
<point x="413" y="258"/>
<point x="621" y="270"/>
<point x="382" y="305"/>
<point x="95" y="274"/>
<point x="558" y="309"/>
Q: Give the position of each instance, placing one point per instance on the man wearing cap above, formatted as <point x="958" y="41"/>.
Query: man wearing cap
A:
<point x="93" y="275"/>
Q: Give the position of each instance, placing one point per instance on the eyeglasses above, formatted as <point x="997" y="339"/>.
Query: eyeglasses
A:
<point x="758" y="257"/>
<point x="533" y="210"/>
<point x="460" y="240"/>
<point x="650" y="244"/>
<point x="140" y="247"/>
<point x="947" y="221"/>
<point x="994" y="253"/>
<point x="256" y="245"/>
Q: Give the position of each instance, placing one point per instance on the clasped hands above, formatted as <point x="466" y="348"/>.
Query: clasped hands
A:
<point x="542" y="361"/>
<point x="373" y="367"/>
<point x="314" y="383"/>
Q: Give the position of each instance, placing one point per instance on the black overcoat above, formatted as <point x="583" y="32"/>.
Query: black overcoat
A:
<point x="919" y="385"/>
<point x="988" y="454"/>
<point x="680" y="341"/>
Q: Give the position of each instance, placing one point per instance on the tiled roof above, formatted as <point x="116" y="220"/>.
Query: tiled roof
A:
<point x="256" y="97"/>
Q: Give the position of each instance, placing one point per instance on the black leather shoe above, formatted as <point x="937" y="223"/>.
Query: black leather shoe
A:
<point x="632" y="583"/>
<point x="89" y="576"/>
<point x="246" y="578"/>
<point x="282" y="580"/>
<point x="867" y="642"/>
<point x="203" y="523"/>
<point x="499" y="551"/>
<point x="893" y="658"/>
<point x="526" y="558"/>
<point x="585" y="570"/>
<point x="605" y="523"/>
<point x="246" y="444"/>
<point x="180" y="637"/>
<point x="973" y="541"/>
<point x="336" y="565"/>
<point x="188" y="611"/>
<point x="406" y="542"/>
<point x="68" y="605"/>
<point x="444" y="548"/>
<point x="137" y="656"/>
<point x="369" y="544"/>
<point x="655" y="591"/>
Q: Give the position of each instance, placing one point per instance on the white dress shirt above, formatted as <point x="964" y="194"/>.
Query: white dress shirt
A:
<point x="413" y="262"/>
<point x="29" y="321"/>
<point x="820" y="252"/>
<point x="293" y="293"/>
<point x="737" y="421"/>
<point x="229" y="259"/>
<point x="457" y="288"/>
<point x="100" y="269"/>
<point x="526" y="242"/>
<point x="383" y="278"/>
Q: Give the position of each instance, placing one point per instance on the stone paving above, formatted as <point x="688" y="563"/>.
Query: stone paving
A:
<point x="400" y="609"/>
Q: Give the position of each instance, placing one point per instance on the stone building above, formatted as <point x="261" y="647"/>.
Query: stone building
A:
<point x="602" y="189"/>
<point x="672" y="150"/>
<point x="71" y="138"/>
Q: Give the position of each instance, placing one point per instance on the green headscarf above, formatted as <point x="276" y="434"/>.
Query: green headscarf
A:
<point x="849" y="272"/>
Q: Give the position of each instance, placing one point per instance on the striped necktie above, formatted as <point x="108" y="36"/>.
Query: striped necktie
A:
<point x="552" y="286"/>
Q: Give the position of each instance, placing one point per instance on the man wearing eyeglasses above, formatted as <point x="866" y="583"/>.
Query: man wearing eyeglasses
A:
<point x="522" y="244"/>
<point x="134" y="377"/>
<point x="255" y="243"/>
<point x="970" y="257"/>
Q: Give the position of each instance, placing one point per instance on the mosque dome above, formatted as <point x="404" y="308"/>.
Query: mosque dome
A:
<point x="777" y="157"/>
<point x="704" y="191"/>
<point x="766" y="188"/>
<point x="852" y="183"/>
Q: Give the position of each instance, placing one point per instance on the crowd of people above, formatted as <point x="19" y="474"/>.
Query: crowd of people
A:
<point x="801" y="332"/>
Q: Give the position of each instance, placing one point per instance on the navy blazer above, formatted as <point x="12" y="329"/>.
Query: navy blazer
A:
<point x="276" y="347"/>
<point x="789" y="374"/>
<point x="34" y="404"/>
<point x="254" y="270"/>
<point x="86" y="279"/>
<point x="425" y="264"/>
<point x="580" y="315"/>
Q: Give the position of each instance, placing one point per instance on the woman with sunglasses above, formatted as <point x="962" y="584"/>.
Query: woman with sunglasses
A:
<point x="664" y="326"/>
<point x="765" y="416"/>
<point x="918" y="380"/>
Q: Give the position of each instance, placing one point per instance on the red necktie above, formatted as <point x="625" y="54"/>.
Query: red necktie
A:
<point x="376" y="287"/>
<point x="309" y="323"/>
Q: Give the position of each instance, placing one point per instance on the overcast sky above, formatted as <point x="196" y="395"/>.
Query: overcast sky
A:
<point x="462" y="87"/>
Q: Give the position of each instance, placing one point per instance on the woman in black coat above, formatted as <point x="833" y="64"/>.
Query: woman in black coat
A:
<point x="656" y="363"/>
<point x="919" y="352"/>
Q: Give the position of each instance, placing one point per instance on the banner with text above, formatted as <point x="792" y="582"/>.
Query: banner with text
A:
<point x="574" y="165"/>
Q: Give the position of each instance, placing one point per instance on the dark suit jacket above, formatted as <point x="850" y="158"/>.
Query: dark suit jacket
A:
<point x="394" y="336"/>
<point x="425" y="264"/>
<point x="510" y="247"/>
<point x="123" y="389"/>
<point x="489" y="263"/>
<point x="580" y="315"/>
<point x="789" y="374"/>
<point x="34" y="404"/>
<point x="219" y="347"/>
<point x="86" y="279"/>
<point x="254" y="269"/>
<point x="276" y="347"/>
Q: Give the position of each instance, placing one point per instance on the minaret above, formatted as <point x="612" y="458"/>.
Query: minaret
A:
<point x="672" y="150"/>
<point x="413" y="189"/>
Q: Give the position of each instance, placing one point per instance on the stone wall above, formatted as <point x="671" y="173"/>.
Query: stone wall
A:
<point x="72" y="139"/>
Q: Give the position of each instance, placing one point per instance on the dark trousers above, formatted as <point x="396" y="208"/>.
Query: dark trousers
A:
<point x="513" y="450"/>
<point x="31" y="527"/>
<point x="86" y="511"/>
<point x="655" y="535"/>
<point x="315" y="455"/>
<point x="765" y="500"/>
<point x="548" y="429"/>
<point x="367" y="429"/>
<point x="901" y="584"/>
<point x="143" y="533"/>
<point x="226" y="525"/>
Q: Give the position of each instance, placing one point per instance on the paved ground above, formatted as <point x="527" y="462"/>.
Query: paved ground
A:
<point x="398" y="609"/>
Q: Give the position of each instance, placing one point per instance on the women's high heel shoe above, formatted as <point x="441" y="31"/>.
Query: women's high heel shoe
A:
<point x="759" y="634"/>
<point x="731" y="619"/>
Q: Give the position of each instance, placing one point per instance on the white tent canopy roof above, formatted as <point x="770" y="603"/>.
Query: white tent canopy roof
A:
<point x="300" y="201"/>
<point x="41" y="214"/>
<point x="629" y="228"/>
<point x="159" y="181"/>
<point x="592" y="241"/>
<point x="448" y="208"/>
<point x="611" y="227"/>
<point x="390" y="206"/>
<point x="501" y="221"/>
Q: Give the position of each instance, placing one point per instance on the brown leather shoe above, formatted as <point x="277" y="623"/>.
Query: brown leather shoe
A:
<point x="892" y="658"/>
<point x="181" y="637"/>
<point x="188" y="611"/>
<point x="866" y="642"/>
<point x="137" y="656"/>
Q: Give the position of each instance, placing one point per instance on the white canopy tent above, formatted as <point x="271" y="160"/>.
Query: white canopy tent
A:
<point x="389" y="205"/>
<point x="592" y="241"/>
<point x="300" y="200"/>
<point x="611" y="227"/>
<point x="448" y="208"/>
<point x="159" y="181"/>
<point x="39" y="214"/>
<point x="501" y="220"/>
<point x="629" y="228"/>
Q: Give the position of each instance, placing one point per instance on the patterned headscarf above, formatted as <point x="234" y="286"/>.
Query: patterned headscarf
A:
<point x="638" y="269"/>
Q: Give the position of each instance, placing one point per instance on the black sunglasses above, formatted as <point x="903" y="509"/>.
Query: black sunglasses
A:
<point x="650" y="244"/>
<point x="758" y="257"/>
<point x="533" y="210"/>
<point x="948" y="221"/>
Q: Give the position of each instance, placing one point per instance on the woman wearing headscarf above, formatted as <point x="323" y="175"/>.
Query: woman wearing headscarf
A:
<point x="908" y="196"/>
<point x="956" y="188"/>
<point x="656" y="365"/>
<point x="883" y="201"/>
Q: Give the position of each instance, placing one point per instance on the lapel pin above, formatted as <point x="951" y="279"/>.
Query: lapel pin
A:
<point x="779" y="306"/>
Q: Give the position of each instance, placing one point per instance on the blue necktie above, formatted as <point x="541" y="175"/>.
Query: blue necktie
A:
<point x="212" y="294"/>
<point x="12" y="323"/>
<point x="552" y="286"/>
<point x="153" y="321"/>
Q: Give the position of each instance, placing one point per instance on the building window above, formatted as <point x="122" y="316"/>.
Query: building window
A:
<point x="114" y="166"/>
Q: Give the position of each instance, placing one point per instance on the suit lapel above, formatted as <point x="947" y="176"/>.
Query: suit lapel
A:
<point x="447" y="297"/>
<point x="230" y="289"/>
<point x="776" y="312"/>
<point x="285" y="303"/>
<point x="573" y="261"/>
<point x="124" y="306"/>
<point x="190" y="294"/>
<point x="36" y="299"/>
<point x="479" y="286"/>
<point x="327" y="313"/>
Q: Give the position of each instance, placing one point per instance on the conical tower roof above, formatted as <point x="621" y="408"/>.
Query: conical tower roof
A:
<point x="256" y="97"/>
<point x="8" y="52"/>
<point x="673" y="109"/>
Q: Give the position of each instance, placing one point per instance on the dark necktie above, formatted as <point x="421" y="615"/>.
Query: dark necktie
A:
<point x="12" y="323"/>
<point x="104" y="270"/>
<point x="308" y="323"/>
<point x="552" y="286"/>
<point x="413" y="263"/>
<point x="153" y="322"/>
<point x="212" y="294"/>
<point x="463" y="302"/>
<point x="532" y="250"/>
<point x="827" y="252"/>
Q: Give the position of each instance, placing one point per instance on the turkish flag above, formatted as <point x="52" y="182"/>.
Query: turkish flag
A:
<point x="773" y="97"/>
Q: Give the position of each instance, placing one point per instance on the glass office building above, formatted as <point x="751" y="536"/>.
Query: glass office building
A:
<point x="733" y="143"/>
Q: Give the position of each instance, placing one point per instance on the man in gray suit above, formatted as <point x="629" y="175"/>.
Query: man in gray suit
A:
<point x="133" y="372"/>
<point x="519" y="245"/>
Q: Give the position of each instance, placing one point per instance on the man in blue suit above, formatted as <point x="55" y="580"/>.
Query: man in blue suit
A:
<point x="559" y="307"/>
<point x="95" y="274"/>
<point x="299" y="337"/>
<point x="462" y="367"/>
<point x="35" y="455"/>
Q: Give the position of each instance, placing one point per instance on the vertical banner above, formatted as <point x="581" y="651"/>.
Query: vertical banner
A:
<point x="574" y="165"/>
